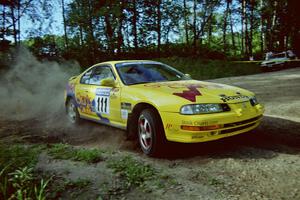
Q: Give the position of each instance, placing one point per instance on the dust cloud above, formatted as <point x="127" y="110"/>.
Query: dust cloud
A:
<point x="32" y="105"/>
<point x="33" y="89"/>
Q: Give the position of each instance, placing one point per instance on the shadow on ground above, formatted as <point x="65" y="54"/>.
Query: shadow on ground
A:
<point x="274" y="135"/>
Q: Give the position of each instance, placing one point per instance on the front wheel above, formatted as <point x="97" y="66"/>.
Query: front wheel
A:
<point x="150" y="132"/>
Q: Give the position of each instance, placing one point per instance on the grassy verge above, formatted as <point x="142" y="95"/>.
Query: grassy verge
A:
<point x="64" y="151"/>
<point x="209" y="69"/>
<point x="17" y="178"/>
<point x="60" y="185"/>
<point x="134" y="172"/>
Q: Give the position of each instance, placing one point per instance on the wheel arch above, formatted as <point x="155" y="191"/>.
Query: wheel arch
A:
<point x="133" y="118"/>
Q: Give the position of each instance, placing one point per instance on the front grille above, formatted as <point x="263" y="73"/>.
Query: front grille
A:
<point x="241" y="122"/>
<point x="236" y="129"/>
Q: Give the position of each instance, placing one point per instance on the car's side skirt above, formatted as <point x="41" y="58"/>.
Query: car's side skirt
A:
<point x="104" y="123"/>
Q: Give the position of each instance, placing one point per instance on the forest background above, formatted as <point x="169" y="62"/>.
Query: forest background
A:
<point x="182" y="32"/>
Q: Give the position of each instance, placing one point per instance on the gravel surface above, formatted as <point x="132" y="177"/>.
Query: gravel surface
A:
<point x="261" y="164"/>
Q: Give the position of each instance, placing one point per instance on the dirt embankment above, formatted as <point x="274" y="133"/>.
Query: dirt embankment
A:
<point x="261" y="164"/>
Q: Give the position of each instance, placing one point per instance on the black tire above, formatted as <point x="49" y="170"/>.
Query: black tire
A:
<point x="132" y="127"/>
<point x="151" y="135"/>
<point x="72" y="112"/>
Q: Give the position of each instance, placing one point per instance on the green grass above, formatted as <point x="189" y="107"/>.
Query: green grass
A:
<point x="209" y="69"/>
<point x="17" y="178"/>
<point x="74" y="188"/>
<point x="64" y="151"/>
<point x="19" y="156"/>
<point x="135" y="172"/>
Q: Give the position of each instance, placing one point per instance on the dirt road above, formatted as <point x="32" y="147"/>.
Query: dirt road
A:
<point x="261" y="164"/>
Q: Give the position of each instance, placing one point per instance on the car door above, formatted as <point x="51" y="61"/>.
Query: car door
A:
<point x="82" y="97"/>
<point x="102" y="102"/>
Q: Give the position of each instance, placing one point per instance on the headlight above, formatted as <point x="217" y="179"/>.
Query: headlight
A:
<point x="203" y="108"/>
<point x="253" y="101"/>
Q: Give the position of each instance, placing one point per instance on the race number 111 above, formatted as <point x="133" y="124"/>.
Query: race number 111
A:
<point x="102" y="104"/>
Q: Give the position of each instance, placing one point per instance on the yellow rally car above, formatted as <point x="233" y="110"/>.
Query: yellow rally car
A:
<point x="156" y="103"/>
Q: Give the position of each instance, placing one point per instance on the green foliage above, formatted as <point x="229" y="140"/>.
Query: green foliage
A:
<point x="96" y="31"/>
<point x="17" y="178"/>
<point x="18" y="156"/>
<point x="209" y="69"/>
<point x="64" y="151"/>
<point x="40" y="192"/>
<point x="135" y="172"/>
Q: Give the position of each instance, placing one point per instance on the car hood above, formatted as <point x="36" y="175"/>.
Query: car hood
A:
<point x="275" y="60"/>
<point x="178" y="93"/>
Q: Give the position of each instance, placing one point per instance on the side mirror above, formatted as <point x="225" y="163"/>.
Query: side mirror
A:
<point x="109" y="82"/>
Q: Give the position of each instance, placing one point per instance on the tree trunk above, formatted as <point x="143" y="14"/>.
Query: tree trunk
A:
<point x="158" y="27"/>
<point x="194" y="26"/>
<point x="252" y="7"/>
<point x="19" y="23"/>
<point x="261" y="30"/>
<point x="134" y="28"/>
<point x="65" y="24"/>
<point x="120" y="27"/>
<point x="242" y="32"/>
<point x="3" y="23"/>
<point x="246" y="38"/>
<point x="186" y="22"/>
<point x="109" y="33"/>
<point x="14" y="23"/>
<point x="232" y="33"/>
<point x="209" y="33"/>
<point x="92" y="43"/>
<point x="272" y="24"/>
<point x="225" y="26"/>
<point x="81" y="35"/>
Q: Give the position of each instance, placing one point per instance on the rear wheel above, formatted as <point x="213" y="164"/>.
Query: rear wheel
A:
<point x="150" y="132"/>
<point x="72" y="112"/>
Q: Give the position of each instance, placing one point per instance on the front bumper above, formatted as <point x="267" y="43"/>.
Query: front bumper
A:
<point x="242" y="118"/>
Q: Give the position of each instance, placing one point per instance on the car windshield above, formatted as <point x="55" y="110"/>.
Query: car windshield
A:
<point x="278" y="55"/>
<point x="146" y="72"/>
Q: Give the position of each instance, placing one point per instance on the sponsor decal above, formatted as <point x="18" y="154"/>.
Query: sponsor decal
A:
<point x="102" y="100"/>
<point x="205" y="123"/>
<point x="125" y="106"/>
<point x="172" y="127"/>
<point x="103" y="91"/>
<point x="191" y="93"/>
<point x="84" y="103"/>
<point x="124" y="114"/>
<point x="114" y="93"/>
<point x="187" y="122"/>
<point x="225" y="98"/>
<point x="169" y="126"/>
<point x="199" y="123"/>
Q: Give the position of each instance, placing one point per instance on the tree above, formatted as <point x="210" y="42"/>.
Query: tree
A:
<point x="65" y="23"/>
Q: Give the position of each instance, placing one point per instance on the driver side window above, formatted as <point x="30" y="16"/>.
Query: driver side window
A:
<point x="96" y="75"/>
<point x="100" y="73"/>
<point x="85" y="79"/>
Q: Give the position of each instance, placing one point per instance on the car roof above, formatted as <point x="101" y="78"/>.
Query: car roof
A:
<point x="124" y="61"/>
